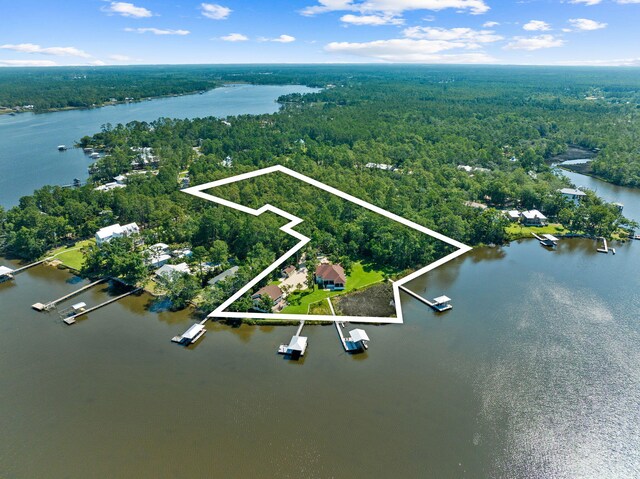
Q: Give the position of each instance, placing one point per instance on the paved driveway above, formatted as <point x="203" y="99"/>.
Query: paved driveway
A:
<point x="299" y="277"/>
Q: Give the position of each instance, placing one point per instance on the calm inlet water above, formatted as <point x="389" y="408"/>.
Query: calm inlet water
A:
<point x="29" y="157"/>
<point x="533" y="374"/>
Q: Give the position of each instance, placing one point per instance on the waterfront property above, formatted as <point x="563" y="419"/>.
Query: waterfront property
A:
<point x="573" y="194"/>
<point x="106" y="234"/>
<point x="271" y="291"/>
<point x="331" y="276"/>
<point x="513" y="215"/>
<point x="170" y="269"/>
<point x="533" y="218"/>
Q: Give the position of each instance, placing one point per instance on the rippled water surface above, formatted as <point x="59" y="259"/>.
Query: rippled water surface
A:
<point x="534" y="373"/>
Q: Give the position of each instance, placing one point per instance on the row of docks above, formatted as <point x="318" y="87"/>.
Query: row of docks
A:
<point x="551" y="241"/>
<point x="70" y="314"/>
<point x="357" y="341"/>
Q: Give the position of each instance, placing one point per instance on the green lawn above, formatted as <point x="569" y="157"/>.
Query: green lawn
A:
<point x="517" y="231"/>
<point x="71" y="256"/>
<point x="361" y="275"/>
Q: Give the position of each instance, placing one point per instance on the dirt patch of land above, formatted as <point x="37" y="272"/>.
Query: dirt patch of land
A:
<point x="372" y="301"/>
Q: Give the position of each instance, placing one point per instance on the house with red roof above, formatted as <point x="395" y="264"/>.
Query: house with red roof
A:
<point x="331" y="276"/>
<point x="272" y="291"/>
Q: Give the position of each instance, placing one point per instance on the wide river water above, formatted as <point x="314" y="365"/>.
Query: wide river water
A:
<point x="29" y="157"/>
<point x="535" y="373"/>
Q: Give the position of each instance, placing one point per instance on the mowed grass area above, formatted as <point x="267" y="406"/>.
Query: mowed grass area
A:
<point x="361" y="275"/>
<point x="517" y="231"/>
<point x="71" y="256"/>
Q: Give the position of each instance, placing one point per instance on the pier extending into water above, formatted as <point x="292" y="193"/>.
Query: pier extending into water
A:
<point x="605" y="247"/>
<point x="52" y="304"/>
<point x="297" y="346"/>
<point x="8" y="274"/>
<point x="72" y="319"/>
<point x="547" y="240"/>
<point x="439" y="304"/>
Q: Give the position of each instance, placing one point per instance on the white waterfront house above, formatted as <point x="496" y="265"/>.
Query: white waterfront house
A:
<point x="106" y="234"/>
<point x="533" y="218"/>
<point x="169" y="270"/>
<point x="573" y="194"/>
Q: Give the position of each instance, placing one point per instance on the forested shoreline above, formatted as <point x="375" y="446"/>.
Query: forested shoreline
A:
<point x="449" y="148"/>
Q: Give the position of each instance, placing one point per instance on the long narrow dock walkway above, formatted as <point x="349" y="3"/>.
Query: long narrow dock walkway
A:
<point x="439" y="304"/>
<point x="52" y="304"/>
<point x="347" y="345"/>
<point x="24" y="268"/>
<point x="72" y="319"/>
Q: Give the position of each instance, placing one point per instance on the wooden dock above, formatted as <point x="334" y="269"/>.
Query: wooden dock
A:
<point x="72" y="319"/>
<point x="302" y="341"/>
<point x="52" y="304"/>
<point x="24" y="268"/>
<point x="436" y="306"/>
<point x="546" y="240"/>
<point x="605" y="247"/>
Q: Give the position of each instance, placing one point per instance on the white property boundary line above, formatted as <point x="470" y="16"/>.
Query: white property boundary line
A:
<point x="220" y="312"/>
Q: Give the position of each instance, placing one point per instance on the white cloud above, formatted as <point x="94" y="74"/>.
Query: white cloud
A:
<point x="408" y="50"/>
<point x="372" y="20"/>
<point x="280" y="39"/>
<point x="97" y="63"/>
<point x="215" y="11"/>
<point x="627" y="2"/>
<point x="536" y="25"/>
<point x="585" y="24"/>
<point x="490" y="24"/>
<point x="395" y="7"/>
<point x="452" y="34"/>
<point x="28" y="63"/>
<point x="57" y="51"/>
<point x="120" y="58"/>
<point x="535" y="43"/>
<point x="235" y="37"/>
<point x="127" y="10"/>
<point x="158" y="31"/>
<point x="587" y="2"/>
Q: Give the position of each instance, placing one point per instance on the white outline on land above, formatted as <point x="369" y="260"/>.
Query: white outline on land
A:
<point x="220" y="312"/>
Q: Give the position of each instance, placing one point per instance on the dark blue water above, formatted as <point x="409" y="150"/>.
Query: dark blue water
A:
<point x="29" y="157"/>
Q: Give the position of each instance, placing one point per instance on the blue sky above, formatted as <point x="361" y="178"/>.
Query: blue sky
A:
<point x="101" y="32"/>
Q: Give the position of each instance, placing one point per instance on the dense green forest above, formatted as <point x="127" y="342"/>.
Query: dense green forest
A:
<point x="589" y="107"/>
<point x="424" y="123"/>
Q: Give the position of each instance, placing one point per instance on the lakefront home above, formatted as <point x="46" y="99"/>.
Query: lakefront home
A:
<point x="331" y="276"/>
<point x="533" y="218"/>
<point x="106" y="234"/>
<point x="573" y="194"/>
<point x="272" y="291"/>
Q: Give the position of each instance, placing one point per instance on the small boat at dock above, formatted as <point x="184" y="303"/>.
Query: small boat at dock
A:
<point x="62" y="147"/>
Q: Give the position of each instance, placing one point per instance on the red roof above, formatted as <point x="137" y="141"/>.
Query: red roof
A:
<point x="331" y="272"/>
<point x="271" y="290"/>
<point x="289" y="269"/>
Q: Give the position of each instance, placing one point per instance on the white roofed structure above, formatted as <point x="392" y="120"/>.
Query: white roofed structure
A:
<point x="358" y="335"/>
<point x="441" y="299"/>
<point x="4" y="270"/>
<point x="106" y="234"/>
<point x="298" y="344"/>
<point x="191" y="335"/>
<point x="169" y="269"/>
